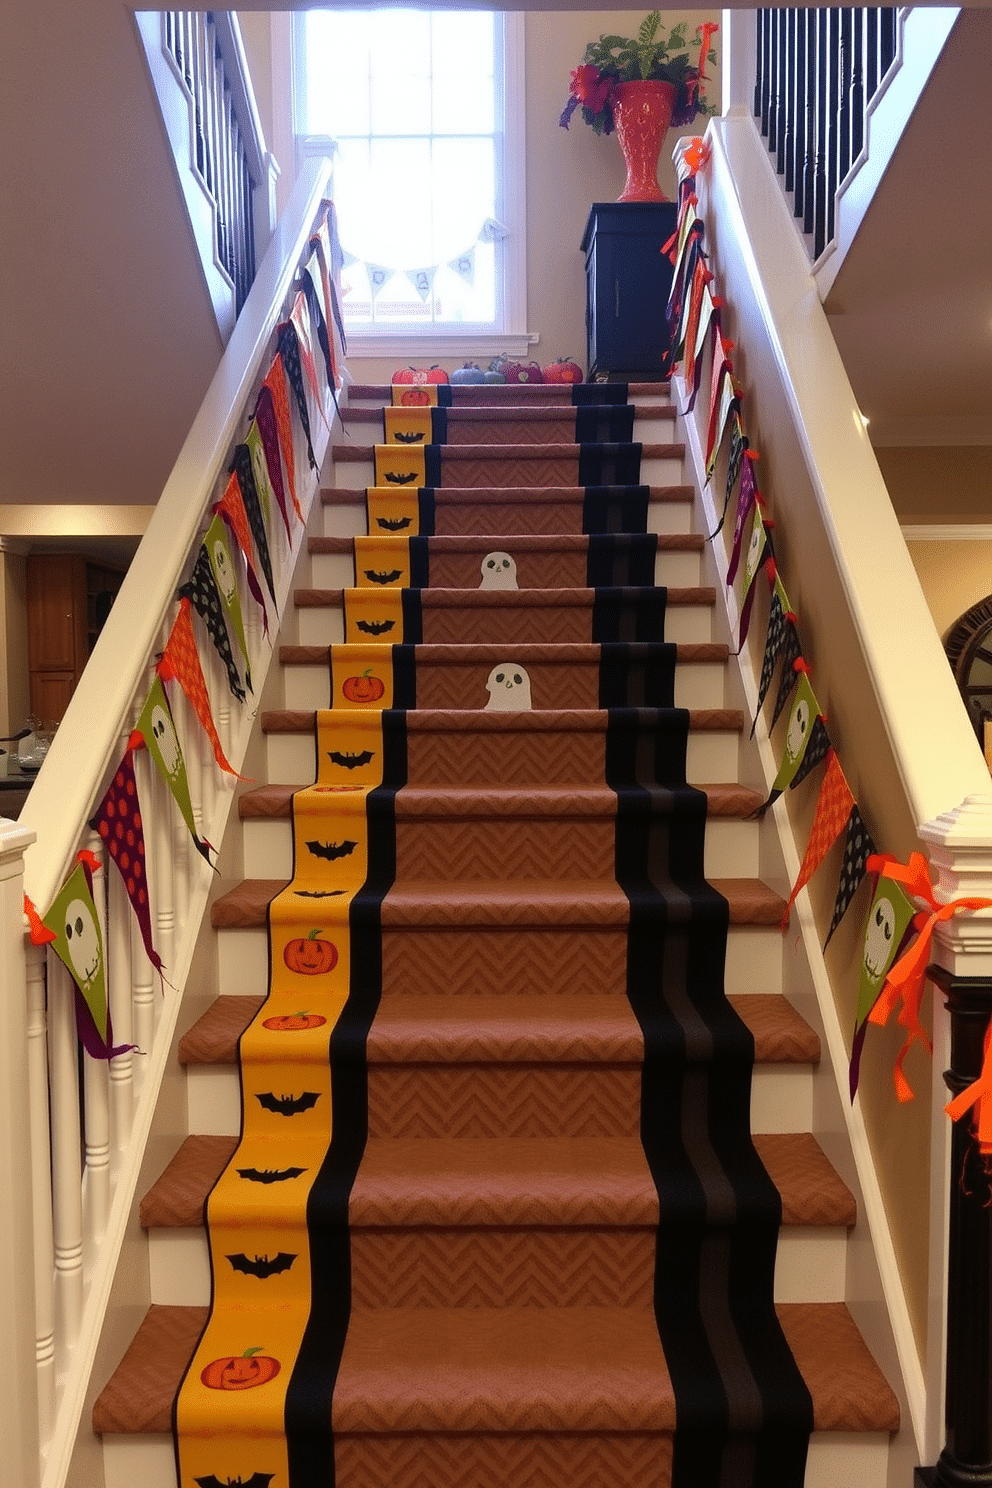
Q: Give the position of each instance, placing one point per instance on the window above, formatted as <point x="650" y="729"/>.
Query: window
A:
<point x="424" y="110"/>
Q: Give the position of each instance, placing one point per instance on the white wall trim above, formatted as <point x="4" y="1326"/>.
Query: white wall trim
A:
<point x="948" y="532"/>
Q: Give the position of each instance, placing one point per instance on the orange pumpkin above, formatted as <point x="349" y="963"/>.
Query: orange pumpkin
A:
<point x="363" y="689"/>
<point x="292" y="1022"/>
<point x="312" y="956"/>
<point x="415" y="397"/>
<point x="240" y="1372"/>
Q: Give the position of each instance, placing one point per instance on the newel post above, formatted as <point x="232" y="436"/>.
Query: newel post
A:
<point x="19" y="1399"/>
<point x="960" y="849"/>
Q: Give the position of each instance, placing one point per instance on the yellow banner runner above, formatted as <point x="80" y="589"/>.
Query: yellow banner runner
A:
<point x="373" y="615"/>
<point x="407" y="425"/>
<point x="393" y="511"/>
<point x="230" y="1411"/>
<point x="362" y="676"/>
<point x="397" y="466"/>
<point x="382" y="563"/>
<point x="414" y="395"/>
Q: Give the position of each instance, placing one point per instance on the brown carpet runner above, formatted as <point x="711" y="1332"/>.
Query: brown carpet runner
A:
<point x="516" y="1360"/>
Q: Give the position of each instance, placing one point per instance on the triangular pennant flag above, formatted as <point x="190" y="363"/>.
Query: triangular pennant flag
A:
<point x="735" y="454"/>
<point x="118" y="821"/>
<point x="888" y="925"/>
<point x="299" y="318"/>
<point x="289" y="350"/>
<point x="422" y="281"/>
<point x="244" y="471"/>
<point x="275" y="381"/>
<point x="694" y="302"/>
<point x="792" y="664"/>
<point x="491" y="231"/>
<point x="709" y="322"/>
<point x="331" y="259"/>
<point x="78" y="944"/>
<point x="833" y="808"/>
<point x="231" y="507"/>
<point x="313" y="290"/>
<point x="379" y="277"/>
<point x="157" y="732"/>
<point x="815" y="752"/>
<point x="774" y="641"/>
<point x="349" y="258"/>
<point x="858" y="848"/>
<point x="725" y="402"/>
<point x="268" y="433"/>
<point x="805" y="712"/>
<point x="694" y="271"/>
<point x="215" y="542"/>
<point x="747" y="495"/>
<point x="201" y="589"/>
<point x="260" y="471"/>
<point x="181" y="661"/>
<point x="759" y="556"/>
<point x="464" y="266"/>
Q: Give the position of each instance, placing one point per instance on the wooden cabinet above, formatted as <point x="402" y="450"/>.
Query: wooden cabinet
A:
<point x="68" y="597"/>
<point x="628" y="280"/>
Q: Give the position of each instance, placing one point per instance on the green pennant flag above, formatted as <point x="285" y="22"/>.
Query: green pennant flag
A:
<point x="805" y="711"/>
<point x="889" y="921"/>
<point x="158" y="731"/>
<point x="219" y="553"/>
<point x="78" y="944"/>
<point x="260" y="470"/>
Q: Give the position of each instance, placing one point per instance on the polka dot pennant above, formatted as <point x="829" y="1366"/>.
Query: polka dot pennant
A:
<point x="858" y="848"/>
<point x="181" y="662"/>
<point x="289" y="350"/>
<point x="253" y="508"/>
<point x="774" y="641"/>
<point x="231" y="507"/>
<point x="118" y="821"/>
<point x="201" y="589"/>
<point x="275" y="381"/>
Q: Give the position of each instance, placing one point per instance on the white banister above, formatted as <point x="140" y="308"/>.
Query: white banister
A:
<point x="41" y="1185"/>
<point x="19" y="1425"/>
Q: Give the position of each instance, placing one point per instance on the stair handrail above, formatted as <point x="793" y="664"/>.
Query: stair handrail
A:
<point x="78" y="1228"/>
<point x="878" y="667"/>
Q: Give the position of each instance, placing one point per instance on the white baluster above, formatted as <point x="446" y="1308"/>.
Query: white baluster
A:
<point x="19" y="1400"/>
<point x="119" y="916"/>
<point x="163" y="885"/>
<point x="41" y="1187"/>
<point x="96" y="1092"/>
<point x="67" y="1197"/>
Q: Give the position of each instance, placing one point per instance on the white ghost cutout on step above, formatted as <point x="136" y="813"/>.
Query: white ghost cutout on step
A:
<point x="508" y="688"/>
<point x="499" y="571"/>
<point x="83" y="942"/>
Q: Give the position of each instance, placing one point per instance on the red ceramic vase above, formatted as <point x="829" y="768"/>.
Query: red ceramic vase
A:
<point x="642" y="112"/>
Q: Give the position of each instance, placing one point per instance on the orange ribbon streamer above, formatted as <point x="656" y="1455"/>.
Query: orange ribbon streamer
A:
<point x="979" y="1095"/>
<point x="907" y="978"/>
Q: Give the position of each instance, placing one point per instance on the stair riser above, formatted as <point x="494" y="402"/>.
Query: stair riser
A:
<point x="337" y="571"/>
<point x="499" y="521"/>
<point x="697" y="684"/>
<point x="323" y="625"/>
<point x="664" y="471"/>
<point x="487" y="850"/>
<point x="483" y="428"/>
<point x="479" y="1268"/>
<point x="834" y="1459"/>
<point x="753" y="964"/>
<point x="710" y="755"/>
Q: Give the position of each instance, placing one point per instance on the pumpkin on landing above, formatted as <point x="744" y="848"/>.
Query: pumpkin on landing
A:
<point x="240" y="1372"/>
<point x="311" y="956"/>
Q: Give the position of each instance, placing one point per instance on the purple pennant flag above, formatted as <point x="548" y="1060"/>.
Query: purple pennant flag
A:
<point x="268" y="428"/>
<point x="289" y="350"/>
<point x="746" y="497"/>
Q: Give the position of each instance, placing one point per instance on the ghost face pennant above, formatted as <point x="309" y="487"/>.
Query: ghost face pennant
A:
<point x="889" y="922"/>
<point x="219" y="553"/>
<point x="158" y="732"/>
<point x="78" y="944"/>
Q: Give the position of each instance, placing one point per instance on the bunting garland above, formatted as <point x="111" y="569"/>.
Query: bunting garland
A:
<point x="904" y="912"/>
<point x="201" y="589"/>
<point x="156" y="731"/>
<point x="219" y="554"/>
<point x="245" y="473"/>
<point x="275" y="381"/>
<point x="231" y="508"/>
<point x="289" y="350"/>
<point x="72" y="928"/>
<point x="117" y="819"/>
<point x="181" y="662"/>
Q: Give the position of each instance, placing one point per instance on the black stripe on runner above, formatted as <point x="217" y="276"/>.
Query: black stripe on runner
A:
<point x="404" y="676"/>
<point x="445" y="396"/>
<point x="308" y="1398"/>
<point x="432" y="464"/>
<point x="615" y="509"/>
<point x="609" y="464"/>
<point x="606" y="424"/>
<point x="743" y="1411"/>
<point x="584" y="393"/>
<point x="413" y="624"/>
<point x="439" y="425"/>
<point x="425" y="503"/>
<point x="638" y="674"/>
<point x="620" y="558"/>
<point x="420" y="563"/>
<point x="628" y="613"/>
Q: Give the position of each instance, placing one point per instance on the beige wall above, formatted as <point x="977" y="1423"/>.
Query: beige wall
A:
<point x="566" y="170"/>
<point x="954" y="574"/>
<point x="939" y="483"/>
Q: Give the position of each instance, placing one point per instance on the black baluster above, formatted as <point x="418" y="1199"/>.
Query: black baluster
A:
<point x="822" y="131"/>
<point x="887" y="39"/>
<point x="967" y="1457"/>
<point x="766" y="86"/>
<point x="833" y="119"/>
<point x="783" y="88"/>
<point x="844" y="117"/>
<point x="799" y="115"/>
<point x="773" y="60"/>
<point x="760" y="21"/>
<point x="812" y="118"/>
<point x="858" y="85"/>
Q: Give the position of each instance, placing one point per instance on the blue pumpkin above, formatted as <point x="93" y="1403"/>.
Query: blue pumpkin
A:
<point x="468" y="374"/>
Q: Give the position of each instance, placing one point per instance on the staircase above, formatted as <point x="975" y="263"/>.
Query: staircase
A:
<point x="504" y="1218"/>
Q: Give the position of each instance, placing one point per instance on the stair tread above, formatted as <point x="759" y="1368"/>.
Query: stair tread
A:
<point x="493" y="495"/>
<point x="498" y="391"/>
<point x="550" y="1369"/>
<point x="689" y="594"/>
<point x="725" y="800"/>
<point x="477" y="720"/>
<point x="714" y="652"/>
<point x="499" y="1182"/>
<point x="550" y="413"/>
<point x="781" y="1035"/>
<point x="566" y="450"/>
<point x="565" y="542"/>
<point x="525" y="901"/>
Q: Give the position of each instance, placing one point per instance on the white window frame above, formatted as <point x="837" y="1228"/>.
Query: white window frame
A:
<point x="512" y="337"/>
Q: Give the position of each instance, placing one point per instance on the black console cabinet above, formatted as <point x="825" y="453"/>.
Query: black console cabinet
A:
<point x="628" y="280"/>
